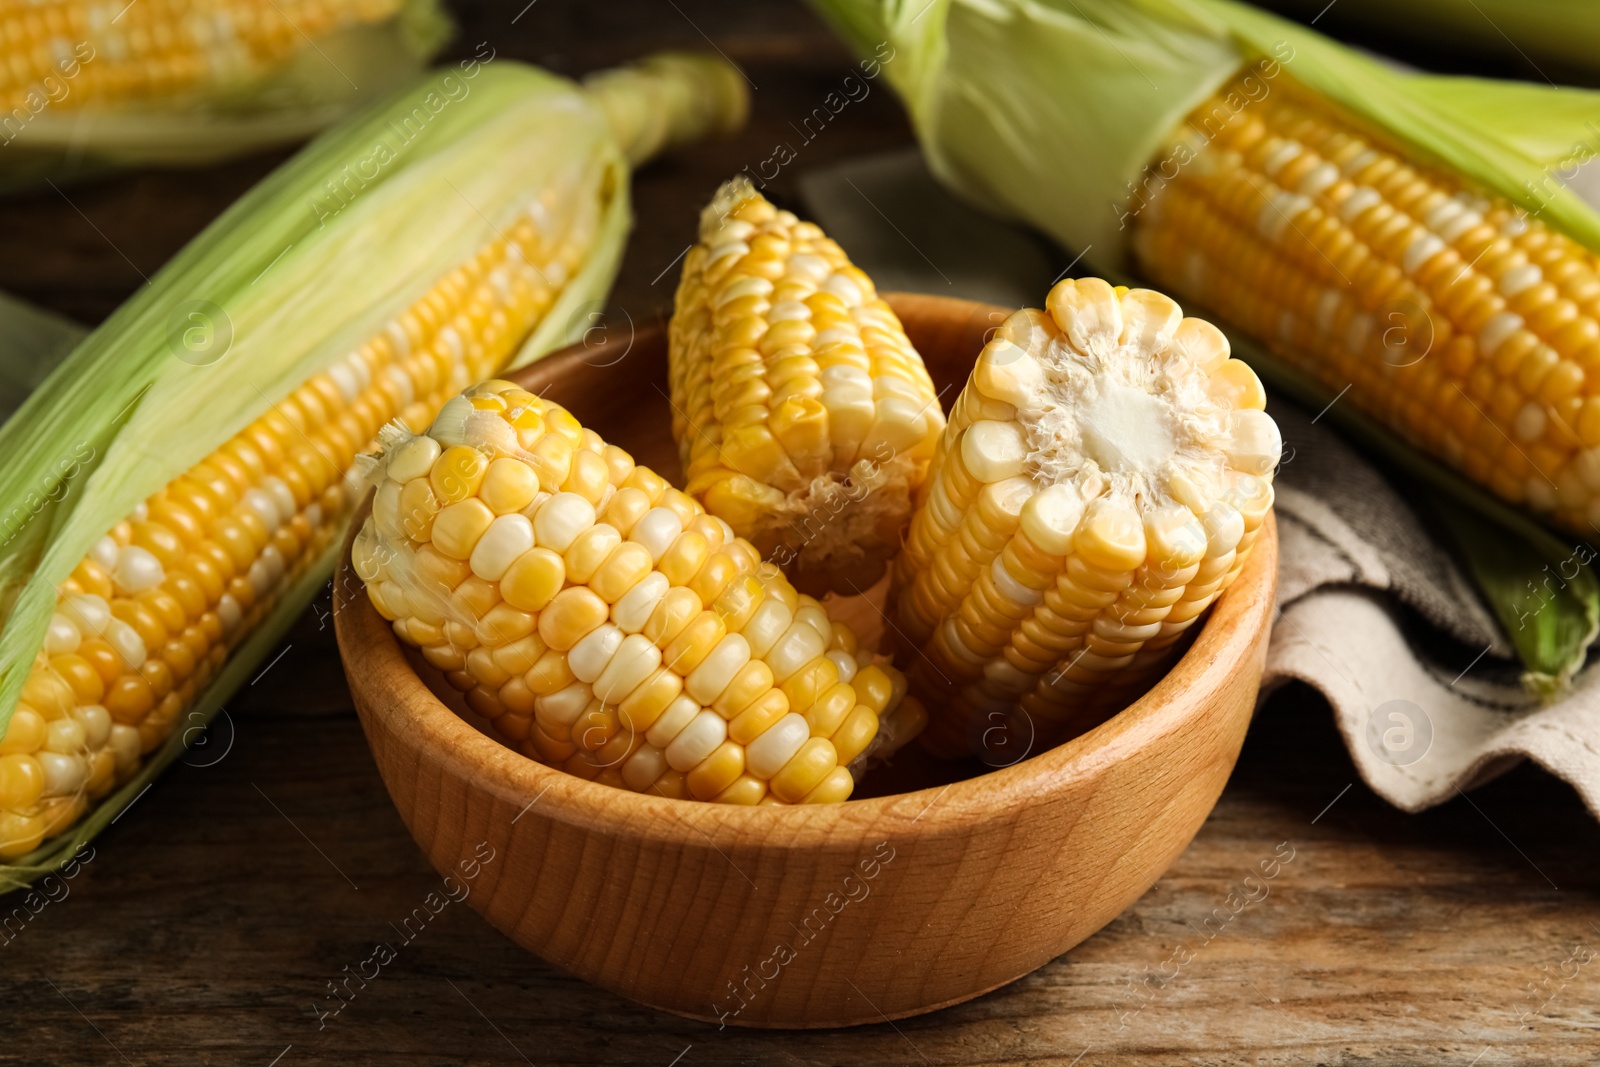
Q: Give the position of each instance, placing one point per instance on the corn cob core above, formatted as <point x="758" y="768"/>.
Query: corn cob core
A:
<point x="1103" y="476"/>
<point x="120" y="51"/>
<point x="150" y="615"/>
<point x="803" y="415"/>
<point x="1454" y="319"/>
<point x="604" y="624"/>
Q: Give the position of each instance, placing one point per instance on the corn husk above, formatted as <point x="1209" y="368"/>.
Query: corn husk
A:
<point x="298" y="289"/>
<point x="324" y="80"/>
<point x="1049" y="110"/>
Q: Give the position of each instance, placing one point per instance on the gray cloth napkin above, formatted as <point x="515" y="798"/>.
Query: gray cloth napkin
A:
<point x="1372" y="611"/>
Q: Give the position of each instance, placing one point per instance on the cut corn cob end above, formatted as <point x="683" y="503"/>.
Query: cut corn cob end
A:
<point x="804" y="417"/>
<point x="145" y="622"/>
<point x="1102" y="479"/>
<point x="1460" y="321"/>
<point x="604" y="624"/>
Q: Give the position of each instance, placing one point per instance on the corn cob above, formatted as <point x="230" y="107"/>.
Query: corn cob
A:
<point x="1454" y="318"/>
<point x="153" y="48"/>
<point x="462" y="269"/>
<point x="803" y="415"/>
<point x="604" y="623"/>
<point x="1102" y="479"/>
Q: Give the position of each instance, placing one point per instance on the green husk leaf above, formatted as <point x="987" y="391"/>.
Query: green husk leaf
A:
<point x="32" y="343"/>
<point x="338" y="74"/>
<point x="1552" y="618"/>
<point x="308" y="265"/>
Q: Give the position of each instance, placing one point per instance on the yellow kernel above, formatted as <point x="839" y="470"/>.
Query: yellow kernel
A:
<point x="533" y="579"/>
<point x="457" y="527"/>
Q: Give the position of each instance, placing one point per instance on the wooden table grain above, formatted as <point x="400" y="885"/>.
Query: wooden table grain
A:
<point x="214" y="915"/>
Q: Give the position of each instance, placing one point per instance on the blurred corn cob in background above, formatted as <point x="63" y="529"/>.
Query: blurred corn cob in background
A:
<point x="90" y="82"/>
<point x="803" y="415"/>
<point x="1402" y="236"/>
<point x="1469" y="328"/>
<point x="1104" y="475"/>
<point x="605" y="624"/>
<point x="175" y="490"/>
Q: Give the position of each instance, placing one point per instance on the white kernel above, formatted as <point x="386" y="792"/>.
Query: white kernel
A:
<point x="127" y="643"/>
<point x="1278" y="213"/>
<point x="96" y="723"/>
<point x="1517" y="279"/>
<point x="125" y="746"/>
<point x="402" y="382"/>
<point x="64" y="775"/>
<point x="1320" y="178"/>
<point x="229" y="612"/>
<point x="1422" y="249"/>
<point x="807" y="267"/>
<point x="845" y="288"/>
<point x="1460" y="224"/>
<point x="1281" y="156"/>
<point x="771" y="620"/>
<point x="635" y="659"/>
<point x="259" y="503"/>
<point x="344" y="378"/>
<point x="589" y="657"/>
<point x="104" y="552"/>
<point x="561" y="519"/>
<point x="1009" y="587"/>
<point x="137" y="569"/>
<point x="680" y="713"/>
<point x="799" y="645"/>
<point x="766" y="755"/>
<point x="61" y="636"/>
<point x="564" y="705"/>
<point x="414" y="459"/>
<point x="88" y="612"/>
<point x="697" y="740"/>
<point x="656" y="530"/>
<point x="1530" y="421"/>
<point x="282" y="496"/>
<point x="1360" y="163"/>
<point x="707" y="681"/>
<point x="844" y="662"/>
<point x="635" y="607"/>
<point x="1360" y="199"/>
<point x="1496" y="332"/>
<point x="507" y="538"/>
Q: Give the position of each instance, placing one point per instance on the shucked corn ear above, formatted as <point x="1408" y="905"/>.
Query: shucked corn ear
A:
<point x="1406" y="236"/>
<point x="1455" y="319"/>
<point x="604" y="623"/>
<point x="87" y="82"/>
<point x="1102" y="479"/>
<point x="175" y="490"/>
<point x="803" y="415"/>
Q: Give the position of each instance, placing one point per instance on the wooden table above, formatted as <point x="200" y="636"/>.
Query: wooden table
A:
<point x="215" y="913"/>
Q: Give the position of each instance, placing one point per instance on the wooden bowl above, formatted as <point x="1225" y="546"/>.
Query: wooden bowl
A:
<point x="875" y="909"/>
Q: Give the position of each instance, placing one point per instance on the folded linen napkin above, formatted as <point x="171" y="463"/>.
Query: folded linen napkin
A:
<point x="1373" y="611"/>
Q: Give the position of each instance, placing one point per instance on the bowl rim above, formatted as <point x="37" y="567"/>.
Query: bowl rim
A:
<point x="380" y="671"/>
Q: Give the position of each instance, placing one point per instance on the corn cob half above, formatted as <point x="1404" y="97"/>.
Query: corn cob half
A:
<point x="1102" y="479"/>
<point x="803" y="415"/>
<point x="1454" y="318"/>
<point x="605" y="624"/>
<point x="158" y="564"/>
